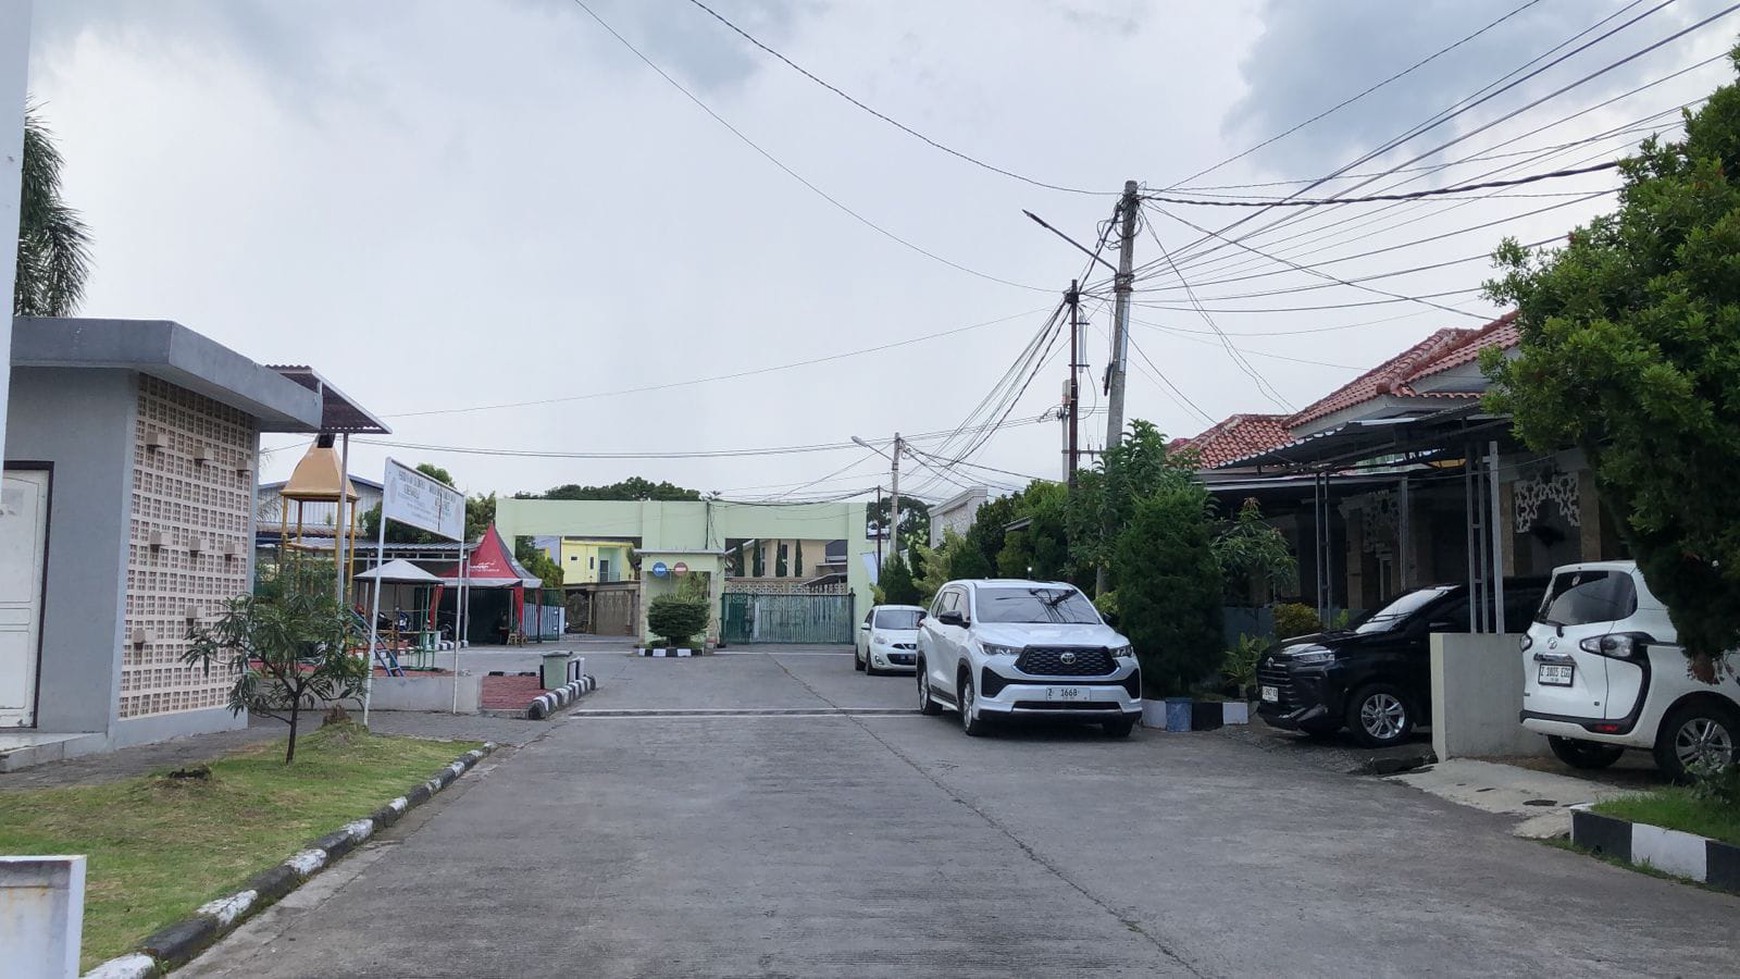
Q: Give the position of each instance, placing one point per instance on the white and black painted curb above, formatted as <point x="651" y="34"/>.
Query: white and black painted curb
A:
<point x="176" y="945"/>
<point x="671" y="652"/>
<point x="554" y="700"/>
<point x="1687" y="855"/>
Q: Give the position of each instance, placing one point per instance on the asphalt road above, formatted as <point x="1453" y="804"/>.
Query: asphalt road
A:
<point x="839" y="835"/>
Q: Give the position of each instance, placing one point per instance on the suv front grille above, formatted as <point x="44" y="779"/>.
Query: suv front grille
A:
<point x="1049" y="661"/>
<point x="1273" y="674"/>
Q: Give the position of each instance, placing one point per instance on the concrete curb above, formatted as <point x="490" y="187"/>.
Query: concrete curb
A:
<point x="670" y="652"/>
<point x="176" y="945"/>
<point x="561" y="697"/>
<point x="1688" y="855"/>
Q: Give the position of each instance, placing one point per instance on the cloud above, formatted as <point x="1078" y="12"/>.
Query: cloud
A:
<point x="306" y="48"/>
<point x="1311" y="56"/>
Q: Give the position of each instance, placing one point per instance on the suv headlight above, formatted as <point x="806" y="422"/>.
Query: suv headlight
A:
<point x="1120" y="652"/>
<point x="992" y="649"/>
<point x="1311" y="656"/>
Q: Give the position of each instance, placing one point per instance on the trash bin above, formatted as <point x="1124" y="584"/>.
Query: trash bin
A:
<point x="1178" y="713"/>
<point x="555" y="670"/>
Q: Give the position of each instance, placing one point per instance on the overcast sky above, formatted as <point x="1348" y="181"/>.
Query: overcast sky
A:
<point x="450" y="205"/>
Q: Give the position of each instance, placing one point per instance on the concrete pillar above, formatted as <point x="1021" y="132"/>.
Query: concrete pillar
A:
<point x="1507" y="523"/>
<point x="1354" y="521"/>
<point x="42" y="913"/>
<point x="1589" y="516"/>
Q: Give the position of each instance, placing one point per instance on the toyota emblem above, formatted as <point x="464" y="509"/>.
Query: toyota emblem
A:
<point x="1067" y="659"/>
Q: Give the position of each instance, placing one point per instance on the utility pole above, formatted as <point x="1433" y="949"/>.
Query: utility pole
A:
<point x="14" y="62"/>
<point x="894" y="506"/>
<point x="1071" y="388"/>
<point x="1120" y="341"/>
<point x="878" y="532"/>
<point x="1121" y="317"/>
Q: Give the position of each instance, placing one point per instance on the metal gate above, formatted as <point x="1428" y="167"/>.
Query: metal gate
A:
<point x="794" y="618"/>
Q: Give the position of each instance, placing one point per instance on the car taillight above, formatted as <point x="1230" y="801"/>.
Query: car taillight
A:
<point x="1528" y="642"/>
<point x="1618" y="645"/>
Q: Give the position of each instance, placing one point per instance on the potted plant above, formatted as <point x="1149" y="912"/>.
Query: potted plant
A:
<point x="1240" y="671"/>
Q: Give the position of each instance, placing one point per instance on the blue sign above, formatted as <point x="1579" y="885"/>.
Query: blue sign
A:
<point x="659" y="569"/>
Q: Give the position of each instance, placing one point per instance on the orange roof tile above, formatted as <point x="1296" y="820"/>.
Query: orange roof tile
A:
<point x="1444" y="349"/>
<point x="1238" y="437"/>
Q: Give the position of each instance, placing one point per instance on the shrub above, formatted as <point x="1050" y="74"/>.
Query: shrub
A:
<point x="1169" y="589"/>
<point x="897" y="584"/>
<point x="1240" y="667"/>
<point x="676" y="620"/>
<point x="1296" y="619"/>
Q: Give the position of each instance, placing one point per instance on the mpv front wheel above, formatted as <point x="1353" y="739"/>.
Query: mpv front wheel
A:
<point x="1379" y="716"/>
<point x="971" y="722"/>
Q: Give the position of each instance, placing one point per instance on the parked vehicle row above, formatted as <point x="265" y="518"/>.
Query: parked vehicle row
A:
<point x="1603" y="672"/>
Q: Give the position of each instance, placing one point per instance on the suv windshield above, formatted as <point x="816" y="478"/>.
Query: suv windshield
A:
<point x="1065" y="605"/>
<point x="1581" y="597"/>
<point x="897" y="618"/>
<point x="1398" y="611"/>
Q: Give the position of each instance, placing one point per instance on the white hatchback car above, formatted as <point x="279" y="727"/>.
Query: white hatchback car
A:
<point x="888" y="639"/>
<point x="1009" y="649"/>
<point x="1602" y="674"/>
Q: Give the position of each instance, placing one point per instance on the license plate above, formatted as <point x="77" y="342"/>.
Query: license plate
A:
<point x="1066" y="693"/>
<point x="1556" y="674"/>
<point x="1272" y="694"/>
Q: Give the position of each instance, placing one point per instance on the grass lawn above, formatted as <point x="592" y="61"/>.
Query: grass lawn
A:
<point x="159" y="848"/>
<point x="1675" y="808"/>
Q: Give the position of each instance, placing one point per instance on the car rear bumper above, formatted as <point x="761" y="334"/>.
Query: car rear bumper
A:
<point x="1581" y="729"/>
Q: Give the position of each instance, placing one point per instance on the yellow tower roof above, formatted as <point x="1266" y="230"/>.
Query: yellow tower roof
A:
<point x="318" y="477"/>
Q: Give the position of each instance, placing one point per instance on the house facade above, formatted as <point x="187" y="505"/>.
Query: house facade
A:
<point x="131" y="455"/>
<point x="589" y="561"/>
<point x="1400" y="479"/>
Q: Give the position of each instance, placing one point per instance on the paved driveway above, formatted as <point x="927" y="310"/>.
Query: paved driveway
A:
<point x="787" y="818"/>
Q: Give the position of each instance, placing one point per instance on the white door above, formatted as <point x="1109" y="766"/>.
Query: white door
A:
<point x="23" y="535"/>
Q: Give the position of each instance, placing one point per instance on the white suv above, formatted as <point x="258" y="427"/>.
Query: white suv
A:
<point x="1006" y="649"/>
<point x="1602" y="674"/>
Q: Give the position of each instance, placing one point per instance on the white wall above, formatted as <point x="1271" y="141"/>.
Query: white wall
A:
<point x="1477" y="687"/>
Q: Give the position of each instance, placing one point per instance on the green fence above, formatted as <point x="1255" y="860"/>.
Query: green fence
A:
<point x="749" y="617"/>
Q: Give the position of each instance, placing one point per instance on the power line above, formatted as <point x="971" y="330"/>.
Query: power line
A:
<point x="1263" y="384"/>
<point x="1414" y="195"/>
<point x="1182" y="399"/>
<point x="717" y="377"/>
<point x="1313" y="309"/>
<point x="975" y="161"/>
<point x="692" y="97"/>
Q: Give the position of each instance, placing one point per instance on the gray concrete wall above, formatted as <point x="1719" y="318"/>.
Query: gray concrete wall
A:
<point x="82" y="422"/>
<point x="161" y="727"/>
<point x="425" y="693"/>
<point x="1477" y="687"/>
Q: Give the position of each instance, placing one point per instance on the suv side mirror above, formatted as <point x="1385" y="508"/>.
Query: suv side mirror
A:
<point x="952" y="617"/>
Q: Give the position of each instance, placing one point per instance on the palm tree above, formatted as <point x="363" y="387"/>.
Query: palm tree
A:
<point x="53" y="244"/>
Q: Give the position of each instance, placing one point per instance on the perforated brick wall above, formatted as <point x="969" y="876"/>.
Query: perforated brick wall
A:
<point x="189" y="542"/>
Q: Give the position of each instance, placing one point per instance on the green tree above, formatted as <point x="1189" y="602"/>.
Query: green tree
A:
<point x="538" y="562"/>
<point x="53" y="243"/>
<point x="932" y="566"/>
<point x="897" y="585"/>
<point x="760" y="564"/>
<point x="779" y="563"/>
<point x="1106" y="496"/>
<point x="914" y="517"/>
<point x="797" y="559"/>
<point x="1250" y="550"/>
<point x="288" y="645"/>
<point x="1630" y="351"/>
<point x="632" y="488"/>
<point x="1169" y="592"/>
<point x="1041" y="548"/>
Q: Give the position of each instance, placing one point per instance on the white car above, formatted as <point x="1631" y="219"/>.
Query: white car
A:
<point x="1602" y="674"/>
<point x="1008" y="649"/>
<point x="888" y="639"/>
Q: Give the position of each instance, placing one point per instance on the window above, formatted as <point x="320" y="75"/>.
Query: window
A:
<point x="1065" y="605"/>
<point x="897" y="619"/>
<point x="1392" y="615"/>
<point x="1582" y="597"/>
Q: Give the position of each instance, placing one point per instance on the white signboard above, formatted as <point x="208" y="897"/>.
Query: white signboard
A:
<point x="413" y="498"/>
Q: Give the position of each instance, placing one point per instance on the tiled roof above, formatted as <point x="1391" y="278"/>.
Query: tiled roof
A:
<point x="1443" y="350"/>
<point x="1238" y="437"/>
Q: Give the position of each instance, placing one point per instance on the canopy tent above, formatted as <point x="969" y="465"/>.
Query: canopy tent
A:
<point x="491" y="565"/>
<point x="400" y="571"/>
